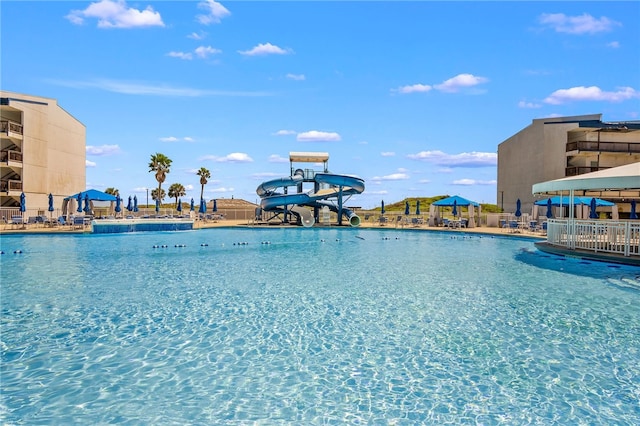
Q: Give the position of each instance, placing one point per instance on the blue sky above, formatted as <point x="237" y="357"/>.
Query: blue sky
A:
<point x="414" y="97"/>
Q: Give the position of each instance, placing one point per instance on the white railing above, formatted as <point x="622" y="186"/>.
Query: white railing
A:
<point x="605" y="236"/>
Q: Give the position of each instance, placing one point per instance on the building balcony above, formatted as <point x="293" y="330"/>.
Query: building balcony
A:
<point x="575" y="171"/>
<point x="11" y="158"/>
<point x="600" y="146"/>
<point x="11" y="187"/>
<point x="11" y="129"/>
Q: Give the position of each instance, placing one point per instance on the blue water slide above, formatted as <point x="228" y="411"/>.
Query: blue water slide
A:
<point x="339" y="186"/>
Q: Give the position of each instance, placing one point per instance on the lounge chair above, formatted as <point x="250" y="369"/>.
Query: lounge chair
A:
<point x="78" y="222"/>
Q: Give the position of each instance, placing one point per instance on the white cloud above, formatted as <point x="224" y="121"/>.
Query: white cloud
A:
<point x="388" y="154"/>
<point x="284" y="132"/>
<point x="592" y="93"/>
<point x="234" y="157"/>
<point x="470" y="182"/>
<point x="414" y="88"/>
<point x="116" y="14"/>
<point x="581" y="24"/>
<point x="424" y="181"/>
<point x="222" y="189"/>
<point x="318" y="136"/>
<point x="524" y="104"/>
<point x="88" y="163"/>
<point x="297" y="77"/>
<point x="459" y="82"/>
<point x="136" y="88"/>
<point x="174" y="139"/>
<point x="206" y="51"/>
<point x="614" y="44"/>
<point x="197" y="36"/>
<point x="465" y="159"/>
<point x="188" y="139"/>
<point x="188" y="187"/>
<point x="102" y="150"/>
<point x="265" y="49"/>
<point x="394" y="176"/>
<point x="275" y="158"/>
<point x="214" y="12"/>
<point x="265" y="175"/>
<point x="181" y="55"/>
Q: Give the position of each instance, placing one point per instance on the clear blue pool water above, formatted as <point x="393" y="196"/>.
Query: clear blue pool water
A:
<point x="321" y="326"/>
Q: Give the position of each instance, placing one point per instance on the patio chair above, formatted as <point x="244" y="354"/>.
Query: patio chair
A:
<point x="78" y="222"/>
<point x="513" y="226"/>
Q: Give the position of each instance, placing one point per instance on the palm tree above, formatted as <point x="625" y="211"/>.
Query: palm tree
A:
<point x="204" y="175"/>
<point x="161" y="165"/>
<point x="177" y="190"/>
<point x="112" y="191"/>
<point x="154" y="195"/>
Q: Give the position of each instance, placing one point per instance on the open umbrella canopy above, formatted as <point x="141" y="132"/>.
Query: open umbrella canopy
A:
<point x="406" y="207"/>
<point x="518" y="206"/>
<point x="23" y="202"/>
<point x="215" y="206"/>
<point x="179" y="206"/>
<point x="418" y="207"/>
<point x="192" y="207"/>
<point x="51" y="202"/>
<point x="382" y="208"/>
<point x="592" y="207"/>
<point x="129" y="205"/>
<point x="633" y="214"/>
<point x="93" y="194"/>
<point x="459" y="201"/>
<point x="135" y="203"/>
<point x="118" y="208"/>
<point x="564" y="200"/>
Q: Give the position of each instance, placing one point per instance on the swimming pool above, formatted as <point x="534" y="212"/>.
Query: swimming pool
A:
<point x="314" y="326"/>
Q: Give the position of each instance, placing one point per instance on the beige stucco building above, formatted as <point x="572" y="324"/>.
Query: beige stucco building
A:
<point x="42" y="151"/>
<point x="554" y="148"/>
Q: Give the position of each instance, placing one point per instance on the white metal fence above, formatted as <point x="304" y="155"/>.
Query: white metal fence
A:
<point x="606" y="236"/>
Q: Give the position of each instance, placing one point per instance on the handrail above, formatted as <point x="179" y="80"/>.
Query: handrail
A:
<point x="7" y="126"/>
<point x="624" y="147"/>
<point x="607" y="236"/>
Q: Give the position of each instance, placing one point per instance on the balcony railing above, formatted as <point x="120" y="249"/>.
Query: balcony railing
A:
<point x="7" y="127"/>
<point x="607" y="236"/>
<point x="10" y="185"/>
<point x="575" y="171"/>
<point x="595" y="146"/>
<point x="13" y="156"/>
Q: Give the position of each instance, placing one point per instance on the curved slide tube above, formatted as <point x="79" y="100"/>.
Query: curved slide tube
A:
<point x="275" y="201"/>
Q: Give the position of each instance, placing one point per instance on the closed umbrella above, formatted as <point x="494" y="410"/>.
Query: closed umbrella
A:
<point x="79" y="209"/>
<point x="118" y="208"/>
<point x="406" y="208"/>
<point x="215" y="206"/>
<point x="203" y="206"/>
<point x="129" y="205"/>
<point x="135" y="203"/>
<point x="23" y="206"/>
<point x="418" y="208"/>
<point x="518" y="206"/>
<point x="87" y="205"/>
<point x="592" y="207"/>
<point x="179" y="206"/>
<point x="157" y="206"/>
<point x="633" y="214"/>
<point x="51" y="209"/>
<point x="382" y="209"/>
<point x="455" y="209"/>
<point x="191" y="206"/>
<point x="549" y="212"/>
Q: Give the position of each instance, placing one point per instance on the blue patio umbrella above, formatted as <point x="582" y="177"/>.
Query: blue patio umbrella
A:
<point x="191" y="206"/>
<point x="179" y="206"/>
<point x="518" y="206"/>
<point x="203" y="206"/>
<point x="118" y="208"/>
<point x="79" y="209"/>
<point x="406" y="207"/>
<point x="51" y="202"/>
<point x="215" y="206"/>
<point x="382" y="209"/>
<point x="129" y="206"/>
<point x="87" y="205"/>
<point x="549" y="206"/>
<point x="592" y="207"/>
<point x="135" y="203"/>
<point x="418" y="207"/>
<point x="633" y="214"/>
<point x="455" y="208"/>
<point x="157" y="206"/>
<point x="23" y="203"/>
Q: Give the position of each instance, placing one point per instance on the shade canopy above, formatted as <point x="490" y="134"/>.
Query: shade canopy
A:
<point x="457" y="200"/>
<point x="578" y="201"/>
<point x="93" y="195"/>
<point x="616" y="182"/>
